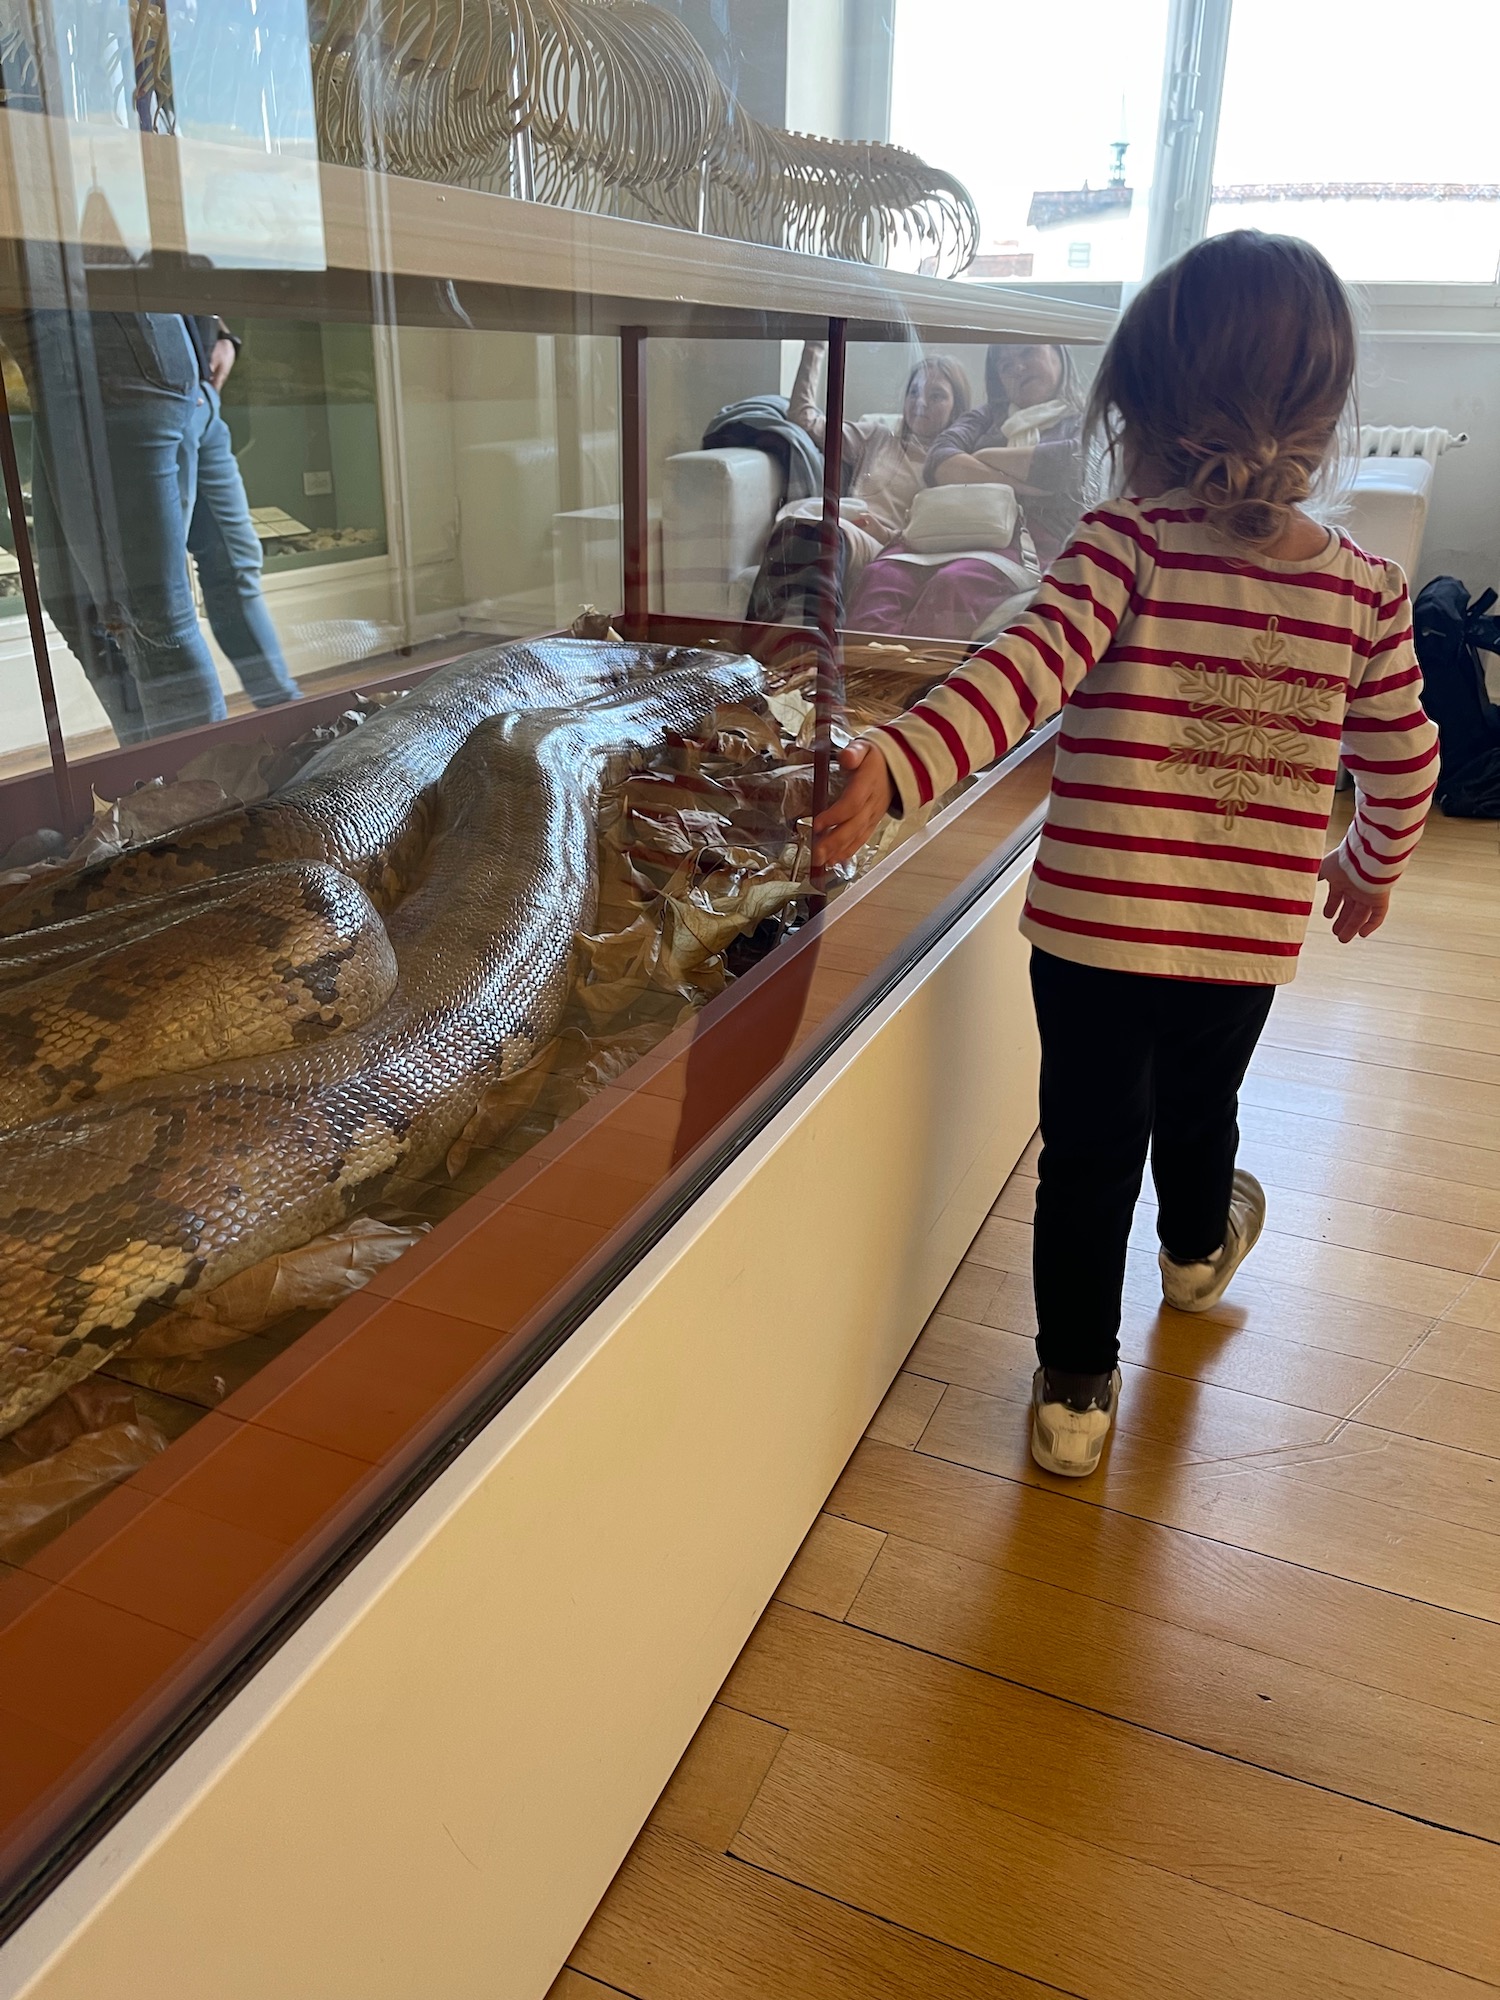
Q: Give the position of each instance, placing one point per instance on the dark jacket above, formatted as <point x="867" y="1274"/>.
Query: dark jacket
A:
<point x="762" y="422"/>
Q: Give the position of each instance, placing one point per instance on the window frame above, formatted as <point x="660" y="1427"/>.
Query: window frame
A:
<point x="1197" y="67"/>
<point x="1197" y="56"/>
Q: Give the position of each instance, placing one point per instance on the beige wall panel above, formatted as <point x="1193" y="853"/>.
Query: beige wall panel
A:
<point x="426" y="1791"/>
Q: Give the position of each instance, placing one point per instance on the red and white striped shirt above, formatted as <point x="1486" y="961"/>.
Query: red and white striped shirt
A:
<point x="1208" y="701"/>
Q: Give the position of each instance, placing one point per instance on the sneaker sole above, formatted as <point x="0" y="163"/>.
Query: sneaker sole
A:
<point x="1063" y="1469"/>
<point x="1226" y="1277"/>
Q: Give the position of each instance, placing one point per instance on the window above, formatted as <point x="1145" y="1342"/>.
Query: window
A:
<point x="1056" y="152"/>
<point x="1371" y="133"/>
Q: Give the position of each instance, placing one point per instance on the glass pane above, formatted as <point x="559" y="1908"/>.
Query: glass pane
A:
<point x="961" y="479"/>
<point x="998" y="494"/>
<point x="430" y="903"/>
<point x="23" y="729"/>
<point x="240" y="82"/>
<point x="1393" y="172"/>
<point x="1060" y="173"/>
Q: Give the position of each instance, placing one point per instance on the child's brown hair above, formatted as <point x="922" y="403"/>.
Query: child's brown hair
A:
<point x="1229" y="373"/>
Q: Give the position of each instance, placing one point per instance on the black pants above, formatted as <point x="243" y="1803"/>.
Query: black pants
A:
<point x="1129" y="1063"/>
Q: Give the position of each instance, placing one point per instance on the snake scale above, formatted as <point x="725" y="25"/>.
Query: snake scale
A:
<point x="225" y="1041"/>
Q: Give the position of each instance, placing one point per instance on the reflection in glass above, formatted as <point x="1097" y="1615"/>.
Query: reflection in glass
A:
<point x="132" y="396"/>
<point x="1001" y="492"/>
<point x="1056" y="151"/>
<point x="240" y="82"/>
<point x="74" y="60"/>
<point x="954" y="502"/>
<point x="23" y="733"/>
<point x="884" y="458"/>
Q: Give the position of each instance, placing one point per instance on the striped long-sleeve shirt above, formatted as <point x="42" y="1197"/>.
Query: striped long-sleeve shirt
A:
<point x="1209" y="699"/>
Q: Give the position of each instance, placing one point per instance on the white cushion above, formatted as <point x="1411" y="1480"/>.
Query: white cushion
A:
<point x="717" y="511"/>
<point x="1387" y="508"/>
<point x="946" y="520"/>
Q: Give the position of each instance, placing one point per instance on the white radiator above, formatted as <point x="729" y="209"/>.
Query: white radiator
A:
<point x="1407" y="441"/>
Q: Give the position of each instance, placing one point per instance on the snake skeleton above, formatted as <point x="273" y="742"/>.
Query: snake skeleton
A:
<point x="225" y="1041"/>
<point x="610" y="105"/>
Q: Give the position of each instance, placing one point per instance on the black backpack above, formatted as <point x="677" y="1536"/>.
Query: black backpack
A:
<point x="1450" y="633"/>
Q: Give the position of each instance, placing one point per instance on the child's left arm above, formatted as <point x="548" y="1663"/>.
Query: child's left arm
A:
<point x="1390" y="748"/>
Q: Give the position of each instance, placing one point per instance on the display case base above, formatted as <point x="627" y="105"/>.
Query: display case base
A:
<point x="431" y="1784"/>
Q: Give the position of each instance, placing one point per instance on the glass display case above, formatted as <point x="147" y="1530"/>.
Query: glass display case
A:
<point x="409" y="744"/>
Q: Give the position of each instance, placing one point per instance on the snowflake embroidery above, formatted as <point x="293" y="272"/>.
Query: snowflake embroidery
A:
<point x="1251" y="727"/>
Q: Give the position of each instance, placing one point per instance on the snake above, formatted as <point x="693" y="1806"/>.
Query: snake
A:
<point x="229" y="1039"/>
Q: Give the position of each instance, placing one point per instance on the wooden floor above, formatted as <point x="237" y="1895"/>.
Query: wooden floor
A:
<point x="1221" y="1721"/>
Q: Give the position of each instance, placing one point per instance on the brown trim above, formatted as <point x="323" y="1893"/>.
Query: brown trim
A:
<point x="634" y="481"/>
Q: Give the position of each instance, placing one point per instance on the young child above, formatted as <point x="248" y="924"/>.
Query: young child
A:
<point x="1218" y="650"/>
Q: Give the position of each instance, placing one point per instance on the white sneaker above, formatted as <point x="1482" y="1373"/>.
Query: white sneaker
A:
<point x="1193" y="1288"/>
<point x="1071" y="1416"/>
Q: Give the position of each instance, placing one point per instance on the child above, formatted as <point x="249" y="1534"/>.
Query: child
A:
<point x="1218" y="651"/>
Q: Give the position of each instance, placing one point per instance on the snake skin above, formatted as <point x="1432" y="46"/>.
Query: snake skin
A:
<point x="363" y="802"/>
<point x="463" y="820"/>
<point x="280" y="955"/>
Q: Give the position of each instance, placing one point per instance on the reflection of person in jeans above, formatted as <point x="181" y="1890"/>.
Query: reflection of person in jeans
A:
<point x="224" y="543"/>
<point x="112" y="566"/>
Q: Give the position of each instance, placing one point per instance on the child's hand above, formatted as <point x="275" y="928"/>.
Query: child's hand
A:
<point x="843" y="828"/>
<point x="1354" y="909"/>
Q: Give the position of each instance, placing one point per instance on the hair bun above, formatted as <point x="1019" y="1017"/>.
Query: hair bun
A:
<point x="1228" y="375"/>
<point x="1247" y="490"/>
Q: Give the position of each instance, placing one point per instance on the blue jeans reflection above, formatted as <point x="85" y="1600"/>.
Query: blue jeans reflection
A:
<point x="133" y="466"/>
<point x="144" y="653"/>
<point x="227" y="550"/>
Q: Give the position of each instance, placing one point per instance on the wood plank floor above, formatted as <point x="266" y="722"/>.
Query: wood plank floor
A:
<point x="1222" y="1721"/>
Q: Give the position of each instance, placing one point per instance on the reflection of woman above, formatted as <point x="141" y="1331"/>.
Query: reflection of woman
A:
<point x="1026" y="437"/>
<point x="884" y="462"/>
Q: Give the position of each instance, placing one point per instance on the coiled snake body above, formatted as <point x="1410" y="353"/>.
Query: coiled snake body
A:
<point x="224" y="1042"/>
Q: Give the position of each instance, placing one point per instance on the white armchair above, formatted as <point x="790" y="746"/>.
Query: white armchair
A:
<point x="1387" y="508"/>
<point x="508" y="492"/>
<point x="718" y="508"/>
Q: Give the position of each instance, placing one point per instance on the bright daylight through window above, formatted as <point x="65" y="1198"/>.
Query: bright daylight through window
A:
<point x="1057" y="154"/>
<point x="1392" y="167"/>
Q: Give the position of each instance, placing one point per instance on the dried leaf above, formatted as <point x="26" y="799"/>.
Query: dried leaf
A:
<point x="311" y="1278"/>
<point x="157" y="808"/>
<point x="616" y="967"/>
<point x="140" y="815"/>
<point x="738" y="732"/>
<point x="239" y="769"/>
<point x="90" y="1405"/>
<point x="502" y="1106"/>
<point x="593" y="624"/>
<point x="794" y="715"/>
<point x="37" y="1496"/>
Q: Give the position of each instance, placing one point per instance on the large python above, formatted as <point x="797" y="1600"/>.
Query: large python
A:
<point x="356" y="959"/>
